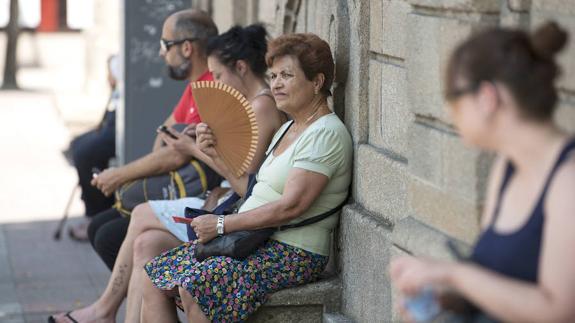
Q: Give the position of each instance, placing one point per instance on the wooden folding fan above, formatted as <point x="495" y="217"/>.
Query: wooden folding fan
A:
<point x="232" y="119"/>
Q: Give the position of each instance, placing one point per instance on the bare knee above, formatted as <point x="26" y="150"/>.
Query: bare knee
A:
<point x="142" y="217"/>
<point x="152" y="243"/>
<point x="144" y="248"/>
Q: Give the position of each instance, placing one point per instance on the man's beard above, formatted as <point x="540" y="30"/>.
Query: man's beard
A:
<point x="180" y="72"/>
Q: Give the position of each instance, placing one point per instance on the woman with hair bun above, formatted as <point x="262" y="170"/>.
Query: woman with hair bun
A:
<point x="501" y="94"/>
<point x="237" y="58"/>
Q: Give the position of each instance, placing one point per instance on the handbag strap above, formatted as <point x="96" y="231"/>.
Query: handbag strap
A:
<point x="227" y="205"/>
<point x="313" y="219"/>
<point x="252" y="180"/>
<point x="278" y="141"/>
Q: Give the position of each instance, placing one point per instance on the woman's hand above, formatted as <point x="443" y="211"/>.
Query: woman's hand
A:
<point x="206" y="140"/>
<point x="402" y="310"/>
<point x="410" y="275"/>
<point x="205" y="227"/>
<point x="184" y="143"/>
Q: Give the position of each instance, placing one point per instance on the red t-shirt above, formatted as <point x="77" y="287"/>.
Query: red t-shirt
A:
<point x="186" y="111"/>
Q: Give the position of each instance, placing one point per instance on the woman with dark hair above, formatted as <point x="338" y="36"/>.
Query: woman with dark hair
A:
<point x="236" y="58"/>
<point x="306" y="174"/>
<point x="500" y="89"/>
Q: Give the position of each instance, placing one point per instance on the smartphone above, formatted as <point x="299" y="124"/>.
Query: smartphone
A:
<point x="179" y="219"/>
<point x="95" y="172"/>
<point x="165" y="130"/>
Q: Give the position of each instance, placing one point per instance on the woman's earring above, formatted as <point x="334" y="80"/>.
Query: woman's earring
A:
<point x="315" y="91"/>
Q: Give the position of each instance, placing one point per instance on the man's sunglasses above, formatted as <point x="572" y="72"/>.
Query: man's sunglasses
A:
<point x="166" y="44"/>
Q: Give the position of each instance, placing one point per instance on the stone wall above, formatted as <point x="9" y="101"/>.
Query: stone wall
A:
<point x="415" y="184"/>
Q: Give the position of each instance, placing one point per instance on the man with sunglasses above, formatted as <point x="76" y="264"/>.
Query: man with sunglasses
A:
<point x="182" y="46"/>
<point x="184" y="37"/>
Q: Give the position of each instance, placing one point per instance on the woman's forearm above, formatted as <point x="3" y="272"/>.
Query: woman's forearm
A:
<point x="238" y="184"/>
<point x="272" y="214"/>
<point x="506" y="299"/>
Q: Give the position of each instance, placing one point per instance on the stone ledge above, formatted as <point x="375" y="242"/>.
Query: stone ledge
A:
<point x="324" y="292"/>
<point x="422" y="240"/>
<point x="303" y="304"/>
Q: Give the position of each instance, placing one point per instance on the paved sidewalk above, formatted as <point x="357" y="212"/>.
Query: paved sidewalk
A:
<point x="38" y="275"/>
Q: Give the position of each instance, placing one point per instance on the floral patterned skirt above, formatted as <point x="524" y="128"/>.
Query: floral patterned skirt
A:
<point x="229" y="290"/>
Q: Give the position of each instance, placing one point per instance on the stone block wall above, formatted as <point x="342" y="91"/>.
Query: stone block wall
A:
<point x="415" y="184"/>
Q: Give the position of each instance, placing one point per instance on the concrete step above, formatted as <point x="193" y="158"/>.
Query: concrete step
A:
<point x="304" y="304"/>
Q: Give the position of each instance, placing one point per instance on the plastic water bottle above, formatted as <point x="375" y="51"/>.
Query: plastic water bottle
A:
<point x="424" y="306"/>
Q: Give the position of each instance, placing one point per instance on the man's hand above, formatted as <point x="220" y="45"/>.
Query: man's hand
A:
<point x="206" y="140"/>
<point x="205" y="227"/>
<point x="108" y="181"/>
<point x="184" y="143"/>
<point x="190" y="130"/>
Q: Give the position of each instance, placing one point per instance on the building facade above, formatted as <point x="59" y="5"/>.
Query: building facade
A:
<point x="415" y="184"/>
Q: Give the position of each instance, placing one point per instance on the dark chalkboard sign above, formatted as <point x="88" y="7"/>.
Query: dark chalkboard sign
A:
<point x="149" y="94"/>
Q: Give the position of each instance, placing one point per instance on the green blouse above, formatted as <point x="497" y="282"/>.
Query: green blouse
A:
<point x="325" y="147"/>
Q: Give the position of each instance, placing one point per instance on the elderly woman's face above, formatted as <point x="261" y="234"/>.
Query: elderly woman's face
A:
<point x="290" y="88"/>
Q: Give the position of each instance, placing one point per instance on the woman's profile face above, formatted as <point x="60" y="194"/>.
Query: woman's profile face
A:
<point x="224" y="74"/>
<point x="290" y="87"/>
<point x="467" y="119"/>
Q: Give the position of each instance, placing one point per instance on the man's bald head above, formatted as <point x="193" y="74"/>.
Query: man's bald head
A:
<point x="192" y="23"/>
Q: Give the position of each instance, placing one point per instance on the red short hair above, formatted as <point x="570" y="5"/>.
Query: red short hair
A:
<point x="313" y="54"/>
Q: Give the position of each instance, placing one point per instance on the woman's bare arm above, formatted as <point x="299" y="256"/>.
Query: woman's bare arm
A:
<point x="301" y="189"/>
<point x="508" y="299"/>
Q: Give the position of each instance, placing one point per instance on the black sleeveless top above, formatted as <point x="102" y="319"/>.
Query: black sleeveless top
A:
<point x="516" y="254"/>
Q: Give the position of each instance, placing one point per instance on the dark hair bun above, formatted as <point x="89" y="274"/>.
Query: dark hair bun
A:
<point x="245" y="43"/>
<point x="256" y="34"/>
<point x="549" y="39"/>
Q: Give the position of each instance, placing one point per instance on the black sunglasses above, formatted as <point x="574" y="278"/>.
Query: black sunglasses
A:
<point x="166" y="44"/>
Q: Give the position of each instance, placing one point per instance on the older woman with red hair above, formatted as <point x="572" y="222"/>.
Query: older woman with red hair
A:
<point x="306" y="173"/>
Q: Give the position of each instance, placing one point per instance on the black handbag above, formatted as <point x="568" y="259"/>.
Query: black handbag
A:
<point x="241" y="244"/>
